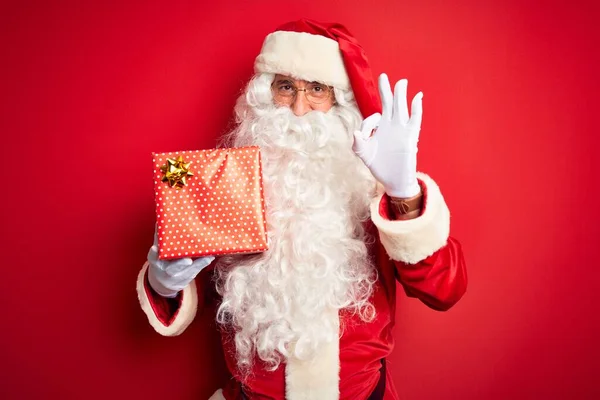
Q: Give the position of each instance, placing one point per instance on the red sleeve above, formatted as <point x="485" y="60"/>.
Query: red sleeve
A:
<point x="439" y="280"/>
<point x="164" y="308"/>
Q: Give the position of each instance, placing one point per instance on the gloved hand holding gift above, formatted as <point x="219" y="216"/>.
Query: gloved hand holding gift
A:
<point x="208" y="202"/>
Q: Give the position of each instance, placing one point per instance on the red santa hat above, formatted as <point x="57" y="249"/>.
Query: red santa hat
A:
<point x="321" y="52"/>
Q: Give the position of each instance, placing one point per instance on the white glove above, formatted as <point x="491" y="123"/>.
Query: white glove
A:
<point x="391" y="152"/>
<point x="167" y="278"/>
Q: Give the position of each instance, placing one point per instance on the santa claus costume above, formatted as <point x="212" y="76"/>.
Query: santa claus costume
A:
<point x="312" y="317"/>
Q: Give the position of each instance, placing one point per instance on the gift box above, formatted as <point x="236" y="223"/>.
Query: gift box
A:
<point x="209" y="202"/>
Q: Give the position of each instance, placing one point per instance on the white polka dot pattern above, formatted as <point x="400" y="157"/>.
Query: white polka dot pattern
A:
<point x="220" y="211"/>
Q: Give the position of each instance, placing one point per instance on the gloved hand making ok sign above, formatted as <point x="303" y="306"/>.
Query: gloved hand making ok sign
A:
<point x="391" y="152"/>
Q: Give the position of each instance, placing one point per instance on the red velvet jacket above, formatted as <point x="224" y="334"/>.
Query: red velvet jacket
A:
<point x="427" y="262"/>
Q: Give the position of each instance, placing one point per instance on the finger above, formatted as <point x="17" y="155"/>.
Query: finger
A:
<point x="153" y="254"/>
<point x="416" y="111"/>
<point x="155" y="235"/>
<point x="400" y="101"/>
<point x="385" y="91"/>
<point x="369" y="124"/>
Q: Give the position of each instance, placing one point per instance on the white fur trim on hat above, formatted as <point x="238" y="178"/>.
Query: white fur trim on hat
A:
<point x="318" y="378"/>
<point x="303" y="56"/>
<point x="413" y="240"/>
<point x="185" y="314"/>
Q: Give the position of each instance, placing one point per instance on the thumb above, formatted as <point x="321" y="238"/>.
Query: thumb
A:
<point x="360" y="142"/>
<point x="365" y="148"/>
<point x="202" y="262"/>
<point x="179" y="265"/>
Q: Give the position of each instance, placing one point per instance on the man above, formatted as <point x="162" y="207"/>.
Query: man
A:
<point x="312" y="317"/>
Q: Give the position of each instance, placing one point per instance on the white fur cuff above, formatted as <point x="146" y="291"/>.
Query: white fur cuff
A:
<point x="303" y="56"/>
<point x="413" y="240"/>
<point x="218" y="395"/>
<point x="185" y="314"/>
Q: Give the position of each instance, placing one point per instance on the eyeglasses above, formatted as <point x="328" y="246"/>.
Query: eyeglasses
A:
<point x="284" y="92"/>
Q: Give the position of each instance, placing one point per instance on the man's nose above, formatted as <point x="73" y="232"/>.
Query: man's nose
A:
<point x="300" y="106"/>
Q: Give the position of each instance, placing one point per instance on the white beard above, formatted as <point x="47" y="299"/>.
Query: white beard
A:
<point x="317" y="193"/>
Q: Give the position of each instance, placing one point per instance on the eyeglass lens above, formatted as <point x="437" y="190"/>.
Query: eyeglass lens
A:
<point x="315" y="92"/>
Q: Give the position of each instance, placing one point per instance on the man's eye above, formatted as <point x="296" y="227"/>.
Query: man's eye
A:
<point x="285" y="88"/>
<point x="318" y="89"/>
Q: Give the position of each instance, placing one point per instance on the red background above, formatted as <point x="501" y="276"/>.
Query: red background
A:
<point x="90" y="89"/>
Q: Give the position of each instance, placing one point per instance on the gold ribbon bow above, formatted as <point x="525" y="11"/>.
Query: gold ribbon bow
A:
<point x="176" y="172"/>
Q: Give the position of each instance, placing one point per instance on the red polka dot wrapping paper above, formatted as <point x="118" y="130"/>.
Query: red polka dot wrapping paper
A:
<point x="220" y="210"/>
